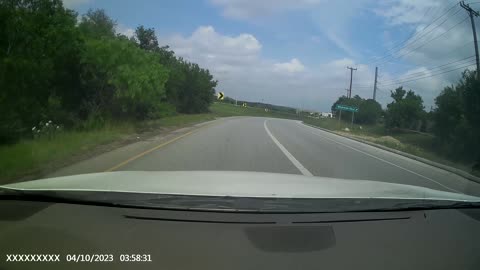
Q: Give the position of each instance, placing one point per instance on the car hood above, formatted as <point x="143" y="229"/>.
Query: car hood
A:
<point x="235" y="184"/>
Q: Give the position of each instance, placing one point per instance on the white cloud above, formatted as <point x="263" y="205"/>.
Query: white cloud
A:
<point x="410" y="11"/>
<point x="74" y="3"/>
<point x="293" y="66"/>
<point x="124" y="30"/>
<point x="221" y="53"/>
<point x="237" y="62"/>
<point x="436" y="53"/>
<point x="324" y="14"/>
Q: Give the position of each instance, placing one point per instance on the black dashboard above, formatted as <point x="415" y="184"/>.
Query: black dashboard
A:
<point x="42" y="235"/>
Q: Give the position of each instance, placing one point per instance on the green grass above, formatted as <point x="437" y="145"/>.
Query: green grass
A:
<point x="175" y="121"/>
<point x="335" y="125"/>
<point x="32" y="155"/>
<point x="29" y="155"/>
<point x="226" y="109"/>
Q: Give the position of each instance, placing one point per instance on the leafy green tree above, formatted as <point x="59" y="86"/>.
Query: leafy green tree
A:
<point x="369" y="112"/>
<point x="449" y="112"/>
<point x="97" y="24"/>
<point x="39" y="52"/>
<point x="189" y="87"/>
<point x="457" y="123"/>
<point x="122" y="78"/>
<point x="53" y="68"/>
<point x="405" y="110"/>
<point x="197" y="93"/>
<point x="148" y="41"/>
<point x="146" y="38"/>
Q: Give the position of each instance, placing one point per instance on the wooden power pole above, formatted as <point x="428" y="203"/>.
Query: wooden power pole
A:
<point x="375" y="84"/>
<point x="351" y="76"/>
<point x="472" y="13"/>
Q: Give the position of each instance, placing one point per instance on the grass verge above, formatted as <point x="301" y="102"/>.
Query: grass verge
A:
<point x="225" y="110"/>
<point x="30" y="156"/>
<point x="418" y="144"/>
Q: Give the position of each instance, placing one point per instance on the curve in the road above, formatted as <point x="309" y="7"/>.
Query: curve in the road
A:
<point x="380" y="159"/>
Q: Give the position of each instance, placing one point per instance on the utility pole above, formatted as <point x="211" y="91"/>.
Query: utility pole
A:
<point x="351" y="76"/>
<point x="472" y="12"/>
<point x="375" y="84"/>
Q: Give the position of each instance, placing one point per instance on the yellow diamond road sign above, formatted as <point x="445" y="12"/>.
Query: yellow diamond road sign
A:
<point x="221" y="95"/>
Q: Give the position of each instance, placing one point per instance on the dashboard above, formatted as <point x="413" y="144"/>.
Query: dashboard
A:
<point x="43" y="235"/>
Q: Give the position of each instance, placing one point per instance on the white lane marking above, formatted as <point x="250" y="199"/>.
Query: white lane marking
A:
<point x="295" y="162"/>
<point x="383" y="160"/>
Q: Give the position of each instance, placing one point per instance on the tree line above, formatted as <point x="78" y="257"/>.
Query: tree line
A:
<point x="81" y="73"/>
<point x="454" y="122"/>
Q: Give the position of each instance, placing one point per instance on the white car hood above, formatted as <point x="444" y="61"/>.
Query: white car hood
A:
<point x="235" y="184"/>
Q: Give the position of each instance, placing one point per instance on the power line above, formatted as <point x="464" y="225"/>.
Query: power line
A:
<point x="405" y="42"/>
<point x="430" y="31"/>
<point x="421" y="73"/>
<point x="454" y="50"/>
<point x="410" y="35"/>
<point x="405" y="53"/>
<point x="440" y="67"/>
<point x="472" y="13"/>
<point x="427" y="75"/>
<point x="432" y="75"/>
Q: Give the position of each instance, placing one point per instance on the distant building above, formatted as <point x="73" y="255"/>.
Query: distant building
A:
<point x="326" y="115"/>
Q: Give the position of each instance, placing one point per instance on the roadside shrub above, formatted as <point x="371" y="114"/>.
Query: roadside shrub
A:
<point x="47" y="129"/>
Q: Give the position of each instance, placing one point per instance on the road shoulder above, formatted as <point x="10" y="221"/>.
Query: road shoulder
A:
<point x="104" y="157"/>
<point x="456" y="171"/>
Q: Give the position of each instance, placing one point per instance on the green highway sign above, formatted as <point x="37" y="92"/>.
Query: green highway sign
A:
<point x="346" y="108"/>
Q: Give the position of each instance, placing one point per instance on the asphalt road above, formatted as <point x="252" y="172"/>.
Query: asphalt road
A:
<point x="287" y="146"/>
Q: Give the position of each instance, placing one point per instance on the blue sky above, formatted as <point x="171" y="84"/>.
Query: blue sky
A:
<point x="295" y="52"/>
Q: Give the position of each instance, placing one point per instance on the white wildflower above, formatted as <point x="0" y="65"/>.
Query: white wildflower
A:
<point x="46" y="124"/>
<point x="33" y="129"/>
<point x="50" y="121"/>
<point x="58" y="127"/>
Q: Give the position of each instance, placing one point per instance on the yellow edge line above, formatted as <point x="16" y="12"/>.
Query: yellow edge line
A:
<point x="151" y="150"/>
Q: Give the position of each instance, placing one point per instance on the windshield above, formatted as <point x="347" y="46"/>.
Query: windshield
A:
<point x="381" y="102"/>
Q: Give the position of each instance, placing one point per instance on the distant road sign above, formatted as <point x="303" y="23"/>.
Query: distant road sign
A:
<point x="346" y="108"/>
<point x="221" y="95"/>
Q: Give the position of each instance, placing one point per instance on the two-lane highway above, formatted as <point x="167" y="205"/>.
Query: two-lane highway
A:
<point x="287" y="146"/>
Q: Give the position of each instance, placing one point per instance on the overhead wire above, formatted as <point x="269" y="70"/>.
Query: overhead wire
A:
<point x="432" y="75"/>
<point x="405" y="42"/>
<point x="421" y="73"/>
<point x="454" y="50"/>
<point x="434" y="69"/>
<point x="407" y="52"/>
